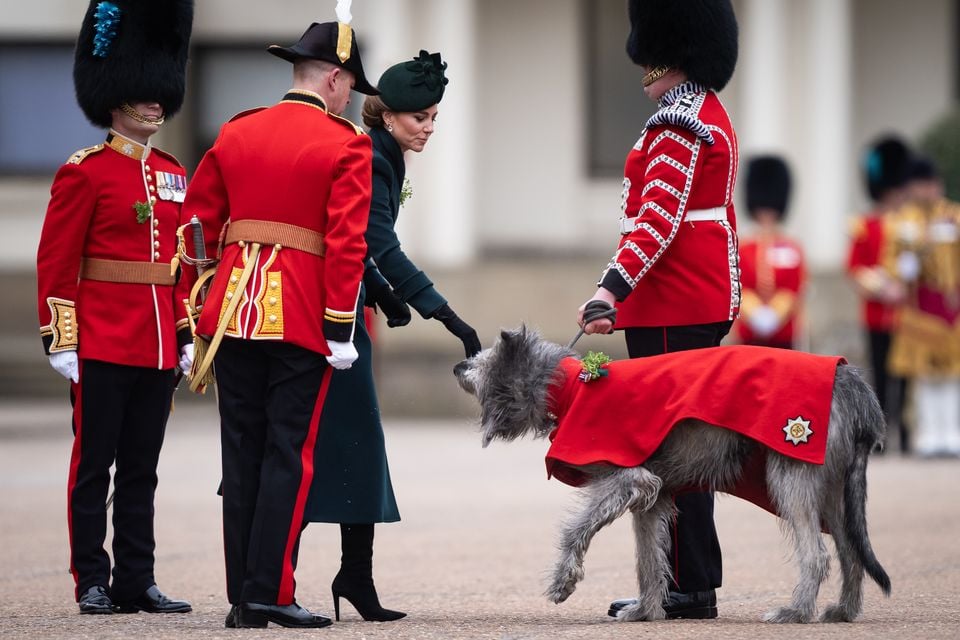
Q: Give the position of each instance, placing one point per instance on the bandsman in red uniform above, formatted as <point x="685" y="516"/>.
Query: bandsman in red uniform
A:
<point x="772" y="270"/>
<point x="286" y="191"/>
<point x="105" y="270"/>
<point x="886" y="166"/>
<point x="674" y="277"/>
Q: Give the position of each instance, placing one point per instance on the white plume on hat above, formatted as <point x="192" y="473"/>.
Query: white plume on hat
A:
<point x="343" y="11"/>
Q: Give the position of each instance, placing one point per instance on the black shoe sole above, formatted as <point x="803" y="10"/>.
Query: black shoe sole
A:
<point x="96" y="611"/>
<point x="702" y="613"/>
<point x="256" y="620"/>
<point x="132" y="608"/>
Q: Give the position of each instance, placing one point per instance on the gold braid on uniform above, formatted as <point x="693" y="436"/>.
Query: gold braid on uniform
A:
<point x="655" y="74"/>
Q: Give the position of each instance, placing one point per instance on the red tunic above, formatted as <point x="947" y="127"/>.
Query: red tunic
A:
<point x="622" y="418"/>
<point x="866" y="252"/>
<point x="91" y="215"/>
<point x="769" y="268"/>
<point x="671" y="270"/>
<point x="292" y="163"/>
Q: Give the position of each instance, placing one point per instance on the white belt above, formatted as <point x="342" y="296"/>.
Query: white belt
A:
<point x="716" y="214"/>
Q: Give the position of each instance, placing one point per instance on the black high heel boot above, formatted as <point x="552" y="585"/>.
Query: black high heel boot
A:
<point x="354" y="581"/>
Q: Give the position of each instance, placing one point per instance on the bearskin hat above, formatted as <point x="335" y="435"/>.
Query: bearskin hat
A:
<point x="132" y="51"/>
<point x="699" y="37"/>
<point x="886" y="166"/>
<point x="768" y="184"/>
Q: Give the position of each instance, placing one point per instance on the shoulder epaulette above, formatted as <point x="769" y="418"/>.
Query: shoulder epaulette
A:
<point x="684" y="113"/>
<point x="82" y="154"/>
<point x="246" y="113"/>
<point x="357" y="129"/>
<point x="168" y="156"/>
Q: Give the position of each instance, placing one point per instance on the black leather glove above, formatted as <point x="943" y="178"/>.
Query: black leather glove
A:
<point x="396" y="310"/>
<point x="459" y="328"/>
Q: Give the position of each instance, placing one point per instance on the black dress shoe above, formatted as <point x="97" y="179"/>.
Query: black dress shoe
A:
<point x="152" y="601"/>
<point x="95" y="600"/>
<point x="697" y="605"/>
<point x="231" y="621"/>
<point x="253" y="615"/>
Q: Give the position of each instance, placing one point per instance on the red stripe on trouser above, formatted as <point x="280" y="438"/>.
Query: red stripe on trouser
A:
<point x="287" y="584"/>
<point x="75" y="454"/>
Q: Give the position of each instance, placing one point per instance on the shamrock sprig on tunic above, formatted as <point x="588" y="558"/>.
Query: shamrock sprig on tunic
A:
<point x="406" y="191"/>
<point x="144" y="210"/>
<point x="594" y="366"/>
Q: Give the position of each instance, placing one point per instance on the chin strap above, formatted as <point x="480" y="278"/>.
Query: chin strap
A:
<point x="139" y="117"/>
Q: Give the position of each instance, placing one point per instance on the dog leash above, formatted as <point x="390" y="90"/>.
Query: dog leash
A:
<point x="595" y="310"/>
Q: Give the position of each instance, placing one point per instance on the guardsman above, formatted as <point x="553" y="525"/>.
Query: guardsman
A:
<point x="675" y="276"/>
<point x="288" y="189"/>
<point x="924" y="254"/>
<point x="772" y="268"/>
<point x="886" y="166"/>
<point x="105" y="270"/>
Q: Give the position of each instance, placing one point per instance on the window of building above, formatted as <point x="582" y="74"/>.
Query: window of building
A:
<point x="226" y="80"/>
<point x="616" y="105"/>
<point x="40" y="122"/>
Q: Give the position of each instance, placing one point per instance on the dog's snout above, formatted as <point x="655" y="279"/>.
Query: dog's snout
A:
<point x="460" y="368"/>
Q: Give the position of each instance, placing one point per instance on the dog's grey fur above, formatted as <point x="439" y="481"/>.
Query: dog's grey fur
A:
<point x="512" y="382"/>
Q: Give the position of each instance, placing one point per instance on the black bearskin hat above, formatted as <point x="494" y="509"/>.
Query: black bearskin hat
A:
<point x="886" y="166"/>
<point x="132" y="51"/>
<point x="699" y="37"/>
<point x="768" y="184"/>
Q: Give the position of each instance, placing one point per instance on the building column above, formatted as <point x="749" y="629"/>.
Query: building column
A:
<point x="828" y="176"/>
<point x="763" y="75"/>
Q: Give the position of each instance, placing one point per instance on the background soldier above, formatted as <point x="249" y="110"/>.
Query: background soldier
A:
<point x="925" y="255"/>
<point x="771" y="263"/>
<point x="886" y="165"/>
<point x="294" y="181"/>
<point x="106" y="303"/>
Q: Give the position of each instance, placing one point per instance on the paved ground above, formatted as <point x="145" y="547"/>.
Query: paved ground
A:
<point x="469" y="558"/>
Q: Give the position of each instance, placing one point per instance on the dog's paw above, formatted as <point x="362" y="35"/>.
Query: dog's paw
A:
<point x="641" y="612"/>
<point x="836" y="613"/>
<point x="563" y="585"/>
<point x="787" y="615"/>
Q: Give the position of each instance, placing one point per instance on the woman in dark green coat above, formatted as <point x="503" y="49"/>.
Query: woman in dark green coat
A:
<point x="351" y="483"/>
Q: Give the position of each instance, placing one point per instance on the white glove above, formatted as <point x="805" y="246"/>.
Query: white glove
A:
<point x="66" y="364"/>
<point x="342" y="354"/>
<point x="764" y="321"/>
<point x="186" y="358"/>
<point x="908" y="266"/>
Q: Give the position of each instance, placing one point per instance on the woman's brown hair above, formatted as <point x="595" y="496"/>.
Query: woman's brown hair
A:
<point x="373" y="110"/>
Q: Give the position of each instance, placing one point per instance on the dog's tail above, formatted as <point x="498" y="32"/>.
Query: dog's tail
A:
<point x="868" y="432"/>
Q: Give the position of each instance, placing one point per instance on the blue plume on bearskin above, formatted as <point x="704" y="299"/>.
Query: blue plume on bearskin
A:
<point x="132" y="51"/>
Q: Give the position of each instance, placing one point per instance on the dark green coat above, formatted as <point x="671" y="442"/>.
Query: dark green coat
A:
<point x="351" y="479"/>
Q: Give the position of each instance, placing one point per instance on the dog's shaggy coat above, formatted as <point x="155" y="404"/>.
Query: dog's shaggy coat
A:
<point x="513" y="380"/>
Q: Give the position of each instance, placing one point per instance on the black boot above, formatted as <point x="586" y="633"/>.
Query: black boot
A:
<point x="354" y="581"/>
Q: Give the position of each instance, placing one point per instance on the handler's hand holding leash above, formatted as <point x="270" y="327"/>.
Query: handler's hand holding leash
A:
<point x="597" y="315"/>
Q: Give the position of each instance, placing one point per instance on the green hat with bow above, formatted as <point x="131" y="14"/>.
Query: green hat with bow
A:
<point x="414" y="85"/>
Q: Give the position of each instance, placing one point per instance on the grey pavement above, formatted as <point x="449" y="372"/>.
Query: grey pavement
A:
<point x="469" y="558"/>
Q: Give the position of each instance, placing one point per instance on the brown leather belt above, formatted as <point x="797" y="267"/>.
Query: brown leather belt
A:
<point x="126" y="271"/>
<point x="268" y="233"/>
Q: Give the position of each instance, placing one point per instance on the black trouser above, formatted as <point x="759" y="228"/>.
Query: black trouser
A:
<point x="271" y="396"/>
<point x="119" y="415"/>
<point x="890" y="389"/>
<point x="694" y="547"/>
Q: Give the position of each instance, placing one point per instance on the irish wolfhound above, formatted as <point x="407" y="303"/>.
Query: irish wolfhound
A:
<point x="516" y="382"/>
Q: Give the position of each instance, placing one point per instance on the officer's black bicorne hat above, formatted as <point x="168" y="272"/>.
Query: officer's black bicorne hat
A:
<point x="333" y="42"/>
<point x="768" y="184"/>
<point x="698" y="37"/>
<point x="132" y="51"/>
<point x="886" y="166"/>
